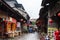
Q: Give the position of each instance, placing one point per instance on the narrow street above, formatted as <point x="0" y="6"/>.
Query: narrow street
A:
<point x="29" y="36"/>
<point x="29" y="19"/>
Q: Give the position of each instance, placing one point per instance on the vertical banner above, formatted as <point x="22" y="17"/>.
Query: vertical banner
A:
<point x="18" y="24"/>
<point x="14" y="20"/>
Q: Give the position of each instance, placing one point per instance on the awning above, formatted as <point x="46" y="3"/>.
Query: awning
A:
<point x="10" y="11"/>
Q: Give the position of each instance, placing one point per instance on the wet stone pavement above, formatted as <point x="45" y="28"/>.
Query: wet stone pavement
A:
<point x="29" y="36"/>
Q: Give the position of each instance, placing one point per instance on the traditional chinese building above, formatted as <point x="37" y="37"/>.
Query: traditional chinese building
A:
<point x="51" y="10"/>
<point x="21" y="11"/>
<point x="8" y="19"/>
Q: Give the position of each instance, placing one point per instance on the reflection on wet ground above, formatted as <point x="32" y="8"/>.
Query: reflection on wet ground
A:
<point x="28" y="36"/>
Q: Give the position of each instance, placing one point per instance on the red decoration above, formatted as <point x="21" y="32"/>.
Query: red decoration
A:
<point x="50" y="20"/>
<point x="59" y="14"/>
<point x="57" y="35"/>
<point x="56" y="32"/>
<point x="14" y="20"/>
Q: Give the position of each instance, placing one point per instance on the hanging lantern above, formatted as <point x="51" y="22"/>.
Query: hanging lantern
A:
<point x="21" y="20"/>
<point x="50" y="20"/>
<point x="59" y="14"/>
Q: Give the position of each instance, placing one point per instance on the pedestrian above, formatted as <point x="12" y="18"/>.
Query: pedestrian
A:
<point x="47" y="37"/>
<point x="42" y="37"/>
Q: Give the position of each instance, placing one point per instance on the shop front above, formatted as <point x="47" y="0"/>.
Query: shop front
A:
<point x="7" y="24"/>
<point x="7" y="28"/>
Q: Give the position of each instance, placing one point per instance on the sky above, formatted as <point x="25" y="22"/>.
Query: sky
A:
<point x="32" y="7"/>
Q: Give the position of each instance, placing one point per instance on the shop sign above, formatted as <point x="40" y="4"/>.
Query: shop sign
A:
<point x="18" y="24"/>
<point x="14" y="20"/>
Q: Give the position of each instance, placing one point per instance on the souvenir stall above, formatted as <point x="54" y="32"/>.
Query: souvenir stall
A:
<point x="8" y="27"/>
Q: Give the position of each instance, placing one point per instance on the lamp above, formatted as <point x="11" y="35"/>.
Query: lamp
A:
<point x="59" y="14"/>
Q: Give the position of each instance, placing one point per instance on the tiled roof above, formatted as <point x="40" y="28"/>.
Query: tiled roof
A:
<point x="44" y="2"/>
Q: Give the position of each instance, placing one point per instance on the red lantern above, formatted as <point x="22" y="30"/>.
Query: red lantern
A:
<point x="56" y="32"/>
<point x="59" y="14"/>
<point x="50" y="20"/>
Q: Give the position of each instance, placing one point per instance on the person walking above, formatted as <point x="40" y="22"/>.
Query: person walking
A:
<point x="47" y="37"/>
<point x="42" y="37"/>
